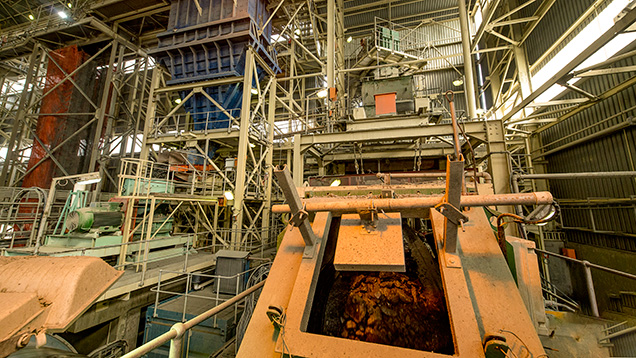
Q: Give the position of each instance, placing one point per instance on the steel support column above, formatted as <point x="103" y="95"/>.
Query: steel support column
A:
<point x="269" y="160"/>
<point x="331" y="42"/>
<point x="469" y="73"/>
<point x="150" y="113"/>
<point x="241" y="165"/>
<point x="298" y="167"/>
<point x="102" y="111"/>
<point x="498" y="157"/>
<point x="25" y="98"/>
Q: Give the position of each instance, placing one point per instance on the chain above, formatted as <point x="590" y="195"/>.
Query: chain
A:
<point x="417" y="160"/>
<point x="357" y="152"/>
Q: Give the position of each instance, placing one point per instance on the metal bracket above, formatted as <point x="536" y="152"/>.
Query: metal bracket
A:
<point x="369" y="217"/>
<point x="452" y="260"/>
<point x="297" y="219"/>
<point x="451" y="213"/>
<point x="452" y="200"/>
<point x="300" y="218"/>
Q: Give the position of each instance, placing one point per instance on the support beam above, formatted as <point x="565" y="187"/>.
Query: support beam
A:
<point x="472" y="129"/>
<point x="620" y="25"/>
<point x="269" y="160"/>
<point x="331" y="42"/>
<point x="18" y="121"/>
<point x="469" y="72"/>
<point x="241" y="166"/>
<point x="299" y="162"/>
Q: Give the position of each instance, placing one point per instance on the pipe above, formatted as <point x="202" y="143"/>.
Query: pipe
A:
<point x="449" y="97"/>
<point x="487" y="177"/>
<point x="519" y="208"/>
<point x="177" y="330"/>
<point x="589" y="283"/>
<point x="331" y="42"/>
<point x="353" y="205"/>
<point x="386" y="177"/>
<point x="468" y="60"/>
<point x="583" y="175"/>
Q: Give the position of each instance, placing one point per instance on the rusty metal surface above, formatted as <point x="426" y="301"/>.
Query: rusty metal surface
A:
<point x="464" y="325"/>
<point x="362" y="248"/>
<point x="49" y="293"/>
<point x="493" y="292"/>
<point x="299" y="216"/>
<point x="261" y="337"/>
<point x="54" y="127"/>
<point x="348" y="205"/>
<point x="480" y="293"/>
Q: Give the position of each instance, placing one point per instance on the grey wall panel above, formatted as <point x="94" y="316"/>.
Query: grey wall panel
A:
<point x="610" y="225"/>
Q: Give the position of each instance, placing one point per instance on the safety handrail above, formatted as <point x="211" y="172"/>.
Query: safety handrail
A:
<point x="587" y="268"/>
<point x="176" y="332"/>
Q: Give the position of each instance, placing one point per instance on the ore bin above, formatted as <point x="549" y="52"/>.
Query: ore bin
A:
<point x="398" y="309"/>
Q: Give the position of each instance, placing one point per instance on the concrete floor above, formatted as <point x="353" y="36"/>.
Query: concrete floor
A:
<point x="574" y="335"/>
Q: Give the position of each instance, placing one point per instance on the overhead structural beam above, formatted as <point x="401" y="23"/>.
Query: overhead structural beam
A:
<point x="487" y="18"/>
<point x="390" y="154"/>
<point x="474" y="129"/>
<point x="616" y="29"/>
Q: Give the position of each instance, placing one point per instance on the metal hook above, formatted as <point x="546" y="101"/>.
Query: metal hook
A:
<point x="451" y="94"/>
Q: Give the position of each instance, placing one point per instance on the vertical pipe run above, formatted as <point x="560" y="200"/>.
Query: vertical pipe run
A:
<point x="590" y="288"/>
<point x="269" y="160"/>
<point x="298" y="166"/>
<point x="449" y="97"/>
<point x="175" y="347"/>
<point x="469" y="72"/>
<point x="331" y="42"/>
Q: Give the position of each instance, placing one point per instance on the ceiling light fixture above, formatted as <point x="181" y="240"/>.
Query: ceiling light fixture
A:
<point x="254" y="90"/>
<point x="31" y="17"/>
<point x="228" y="195"/>
<point x="349" y="39"/>
<point x="458" y="82"/>
<point x="177" y="101"/>
<point x="62" y="14"/>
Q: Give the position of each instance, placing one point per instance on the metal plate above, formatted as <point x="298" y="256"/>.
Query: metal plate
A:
<point x="363" y="248"/>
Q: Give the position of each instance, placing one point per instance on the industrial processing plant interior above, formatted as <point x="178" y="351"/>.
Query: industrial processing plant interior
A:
<point x="317" y="178"/>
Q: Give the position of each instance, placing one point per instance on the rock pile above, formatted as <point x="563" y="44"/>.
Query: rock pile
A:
<point x="395" y="309"/>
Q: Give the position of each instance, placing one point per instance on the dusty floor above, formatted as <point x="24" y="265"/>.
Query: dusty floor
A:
<point x="574" y="336"/>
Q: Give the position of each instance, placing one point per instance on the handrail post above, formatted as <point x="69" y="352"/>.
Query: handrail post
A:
<point x="590" y="287"/>
<point x="177" y="342"/>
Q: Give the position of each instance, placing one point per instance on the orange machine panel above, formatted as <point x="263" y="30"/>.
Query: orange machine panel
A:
<point x="385" y="103"/>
